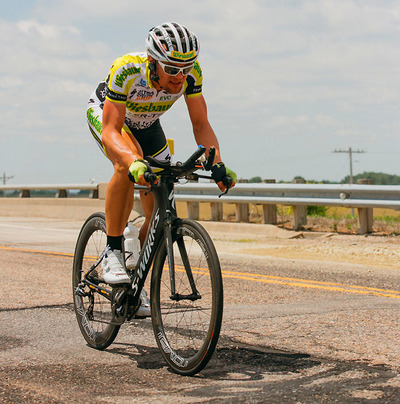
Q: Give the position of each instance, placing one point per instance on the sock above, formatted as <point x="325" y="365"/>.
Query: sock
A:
<point x="115" y="243"/>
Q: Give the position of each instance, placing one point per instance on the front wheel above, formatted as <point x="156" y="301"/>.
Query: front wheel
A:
<point x="187" y="324"/>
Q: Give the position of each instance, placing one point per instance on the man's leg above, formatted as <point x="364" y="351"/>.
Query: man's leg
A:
<point x="118" y="204"/>
<point x="119" y="195"/>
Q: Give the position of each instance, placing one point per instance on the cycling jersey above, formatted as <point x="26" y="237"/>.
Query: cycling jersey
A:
<point x="129" y="83"/>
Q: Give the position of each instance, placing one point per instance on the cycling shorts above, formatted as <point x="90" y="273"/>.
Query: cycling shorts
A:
<point x="152" y="140"/>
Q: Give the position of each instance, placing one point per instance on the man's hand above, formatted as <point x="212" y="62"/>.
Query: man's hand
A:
<point x="219" y="172"/>
<point x="137" y="170"/>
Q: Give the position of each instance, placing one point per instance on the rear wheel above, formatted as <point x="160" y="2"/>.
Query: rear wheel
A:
<point x="187" y="325"/>
<point x="92" y="309"/>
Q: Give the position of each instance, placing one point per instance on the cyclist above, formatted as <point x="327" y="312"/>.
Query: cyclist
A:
<point x="123" y="116"/>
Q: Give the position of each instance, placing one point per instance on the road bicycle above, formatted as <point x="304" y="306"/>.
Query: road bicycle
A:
<point x="186" y="291"/>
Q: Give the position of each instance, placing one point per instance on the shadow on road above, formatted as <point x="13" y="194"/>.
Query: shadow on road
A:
<point x="238" y="359"/>
<point x="253" y="364"/>
<point x="230" y="357"/>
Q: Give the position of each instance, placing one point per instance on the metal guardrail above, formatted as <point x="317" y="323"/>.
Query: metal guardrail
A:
<point x="299" y="196"/>
<point x="362" y="197"/>
<point x="61" y="189"/>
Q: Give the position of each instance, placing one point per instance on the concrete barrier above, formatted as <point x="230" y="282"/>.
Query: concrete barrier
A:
<point x="62" y="208"/>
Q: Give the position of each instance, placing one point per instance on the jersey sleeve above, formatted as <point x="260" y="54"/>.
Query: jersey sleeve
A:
<point x="120" y="79"/>
<point x="194" y="81"/>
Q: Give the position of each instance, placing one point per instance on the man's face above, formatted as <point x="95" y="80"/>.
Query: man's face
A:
<point x="171" y="84"/>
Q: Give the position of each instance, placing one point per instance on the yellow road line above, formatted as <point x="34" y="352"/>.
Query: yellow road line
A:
<point x="278" y="280"/>
<point x="305" y="283"/>
<point x="310" y="284"/>
<point x="67" y="255"/>
<point x="285" y="280"/>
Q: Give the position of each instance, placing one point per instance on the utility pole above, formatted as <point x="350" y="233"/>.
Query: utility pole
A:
<point x="350" y="153"/>
<point x="5" y="178"/>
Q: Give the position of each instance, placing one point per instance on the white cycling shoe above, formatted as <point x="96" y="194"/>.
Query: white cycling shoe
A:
<point x="113" y="267"/>
<point x="144" y="309"/>
<point x="114" y="273"/>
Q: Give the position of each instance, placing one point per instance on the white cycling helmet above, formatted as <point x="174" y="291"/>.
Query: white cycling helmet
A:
<point x="172" y="42"/>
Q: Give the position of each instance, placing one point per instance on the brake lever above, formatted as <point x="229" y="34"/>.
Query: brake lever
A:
<point x="227" y="181"/>
<point x="224" y="193"/>
<point x="151" y="178"/>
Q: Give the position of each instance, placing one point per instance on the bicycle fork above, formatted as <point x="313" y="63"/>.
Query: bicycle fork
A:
<point x="195" y="295"/>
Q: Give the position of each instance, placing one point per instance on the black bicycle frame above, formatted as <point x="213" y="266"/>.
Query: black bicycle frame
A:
<point x="163" y="219"/>
<point x="164" y="212"/>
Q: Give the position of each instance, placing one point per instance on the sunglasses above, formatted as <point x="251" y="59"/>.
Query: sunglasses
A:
<point x="174" y="71"/>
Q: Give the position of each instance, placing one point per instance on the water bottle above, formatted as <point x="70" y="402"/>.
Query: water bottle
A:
<point x="132" y="245"/>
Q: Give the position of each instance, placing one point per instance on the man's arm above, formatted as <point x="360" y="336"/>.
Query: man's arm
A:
<point x="205" y="136"/>
<point x="202" y="129"/>
<point x="122" y="149"/>
<point x="117" y="148"/>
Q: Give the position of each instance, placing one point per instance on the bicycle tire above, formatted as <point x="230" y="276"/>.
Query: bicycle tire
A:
<point x="187" y="331"/>
<point x="93" y="311"/>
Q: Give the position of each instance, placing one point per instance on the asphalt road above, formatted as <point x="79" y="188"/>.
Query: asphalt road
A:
<point x="308" y="318"/>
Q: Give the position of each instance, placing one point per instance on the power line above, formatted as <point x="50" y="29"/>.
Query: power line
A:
<point x="350" y="152"/>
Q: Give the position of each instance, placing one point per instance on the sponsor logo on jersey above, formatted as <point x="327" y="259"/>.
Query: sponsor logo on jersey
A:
<point x="94" y="120"/>
<point x="147" y="107"/>
<point x="198" y="69"/>
<point x="196" y="89"/>
<point x="120" y="78"/>
<point x="113" y="96"/>
<point x="183" y="56"/>
<point x="144" y="95"/>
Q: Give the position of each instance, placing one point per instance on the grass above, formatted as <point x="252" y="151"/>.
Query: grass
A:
<point x="343" y="220"/>
<point x="328" y="219"/>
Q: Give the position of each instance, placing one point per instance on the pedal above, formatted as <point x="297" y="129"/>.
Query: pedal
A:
<point x="119" y="303"/>
<point x="79" y="291"/>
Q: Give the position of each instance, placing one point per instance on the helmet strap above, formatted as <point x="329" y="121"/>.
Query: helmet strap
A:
<point x="153" y="71"/>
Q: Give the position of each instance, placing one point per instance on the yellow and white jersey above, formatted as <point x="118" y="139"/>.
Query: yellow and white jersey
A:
<point x="129" y="83"/>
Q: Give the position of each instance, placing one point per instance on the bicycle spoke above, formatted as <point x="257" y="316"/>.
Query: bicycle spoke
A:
<point x="187" y="329"/>
<point x="92" y="297"/>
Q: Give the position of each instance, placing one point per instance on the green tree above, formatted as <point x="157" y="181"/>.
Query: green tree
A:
<point x="376" y="178"/>
<point x="255" y="179"/>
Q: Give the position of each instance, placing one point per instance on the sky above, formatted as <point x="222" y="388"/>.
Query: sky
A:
<point x="286" y="84"/>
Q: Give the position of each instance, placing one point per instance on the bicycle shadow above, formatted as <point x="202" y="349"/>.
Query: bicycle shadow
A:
<point x="231" y="359"/>
<point x="145" y="357"/>
<point x="245" y="362"/>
